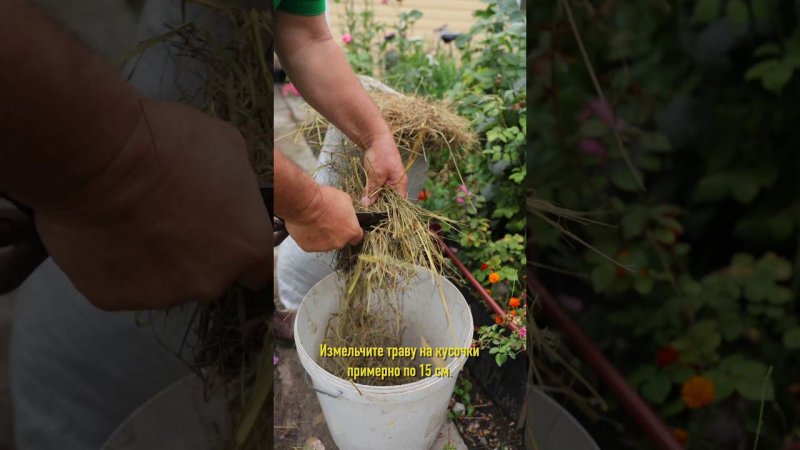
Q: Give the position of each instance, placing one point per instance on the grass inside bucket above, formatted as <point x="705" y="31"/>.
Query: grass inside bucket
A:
<point x="376" y="272"/>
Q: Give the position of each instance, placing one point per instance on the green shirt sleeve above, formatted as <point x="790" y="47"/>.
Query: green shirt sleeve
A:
<point x="301" y="7"/>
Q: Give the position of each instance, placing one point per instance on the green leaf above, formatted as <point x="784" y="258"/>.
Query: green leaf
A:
<point x="761" y="8"/>
<point x="643" y="284"/>
<point x="641" y="374"/>
<point x="664" y="235"/>
<point x="656" y="388"/>
<point x="758" y="289"/>
<point x="780" y="295"/>
<point x="656" y="142"/>
<point x="751" y="390"/>
<point x="649" y="162"/>
<point x="415" y="14"/>
<point x="593" y="128"/>
<point x="729" y="363"/>
<point x="681" y="374"/>
<point x="749" y="370"/>
<point x="672" y="408"/>
<point x="769" y="49"/>
<point x="509" y="273"/>
<point x="773" y="73"/>
<point x="779" y="268"/>
<point x="500" y="358"/>
<point x="724" y="384"/>
<point x="774" y="312"/>
<point x="634" y="221"/>
<point x="742" y="260"/>
<point x="712" y="188"/>
<point x="702" y="328"/>
<point x="791" y="338"/>
<point x="603" y="276"/>
<point x="624" y="179"/>
<point x="731" y="326"/>
<point x="689" y="285"/>
<point x="736" y="10"/>
<point x="705" y="11"/>
<point x="744" y="190"/>
<point x="671" y="223"/>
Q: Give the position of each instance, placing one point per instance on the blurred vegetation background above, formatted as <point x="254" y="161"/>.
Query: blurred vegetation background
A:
<point x="670" y="131"/>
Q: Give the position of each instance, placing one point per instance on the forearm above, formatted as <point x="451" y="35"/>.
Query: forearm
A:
<point x="296" y="192"/>
<point x="320" y="71"/>
<point x="66" y="113"/>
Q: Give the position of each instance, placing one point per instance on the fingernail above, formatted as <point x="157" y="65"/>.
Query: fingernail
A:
<point x="365" y="201"/>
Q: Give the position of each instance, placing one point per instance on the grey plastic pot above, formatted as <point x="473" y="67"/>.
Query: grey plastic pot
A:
<point x="551" y="427"/>
<point x="178" y="418"/>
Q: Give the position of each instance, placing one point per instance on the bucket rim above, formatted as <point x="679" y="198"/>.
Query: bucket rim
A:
<point x="454" y="366"/>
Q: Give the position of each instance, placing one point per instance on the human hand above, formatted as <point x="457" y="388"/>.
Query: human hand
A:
<point x="177" y="216"/>
<point x="384" y="166"/>
<point x="329" y="222"/>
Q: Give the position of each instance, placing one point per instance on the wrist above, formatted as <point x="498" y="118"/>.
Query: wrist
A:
<point x="379" y="142"/>
<point x="130" y="165"/>
<point x="308" y="208"/>
<point x="66" y="172"/>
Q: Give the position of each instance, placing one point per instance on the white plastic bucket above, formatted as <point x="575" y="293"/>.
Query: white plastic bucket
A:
<point x="178" y="418"/>
<point x="407" y="416"/>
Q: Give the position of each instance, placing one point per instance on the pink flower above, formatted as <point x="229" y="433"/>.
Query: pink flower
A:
<point x="592" y="147"/>
<point x="275" y="360"/>
<point x="346" y="38"/>
<point x="289" y="88"/>
<point x="523" y="331"/>
<point x="460" y="200"/>
<point x="601" y="110"/>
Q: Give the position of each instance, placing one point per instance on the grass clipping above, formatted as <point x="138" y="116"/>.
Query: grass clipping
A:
<point x="376" y="273"/>
<point x="378" y="270"/>
<point x="419" y="126"/>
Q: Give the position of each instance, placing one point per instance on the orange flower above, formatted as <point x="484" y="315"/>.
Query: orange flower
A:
<point x="697" y="391"/>
<point x="494" y="277"/>
<point x="423" y="195"/>
<point x="514" y="302"/>
<point x="680" y="435"/>
<point x="513" y="312"/>
<point x="498" y="319"/>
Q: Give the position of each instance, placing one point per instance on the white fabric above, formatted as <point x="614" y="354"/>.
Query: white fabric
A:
<point x="299" y="271"/>
<point x="77" y="371"/>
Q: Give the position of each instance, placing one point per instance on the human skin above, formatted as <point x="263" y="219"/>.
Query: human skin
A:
<point x="318" y="68"/>
<point x="318" y="217"/>
<point x="144" y="204"/>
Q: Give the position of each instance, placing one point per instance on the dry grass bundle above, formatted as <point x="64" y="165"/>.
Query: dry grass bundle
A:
<point x="376" y="271"/>
<point x="232" y="47"/>
<point x="419" y="126"/>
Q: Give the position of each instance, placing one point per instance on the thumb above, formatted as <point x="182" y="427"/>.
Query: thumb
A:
<point x="401" y="185"/>
<point x="358" y="235"/>
<point x="373" y="183"/>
